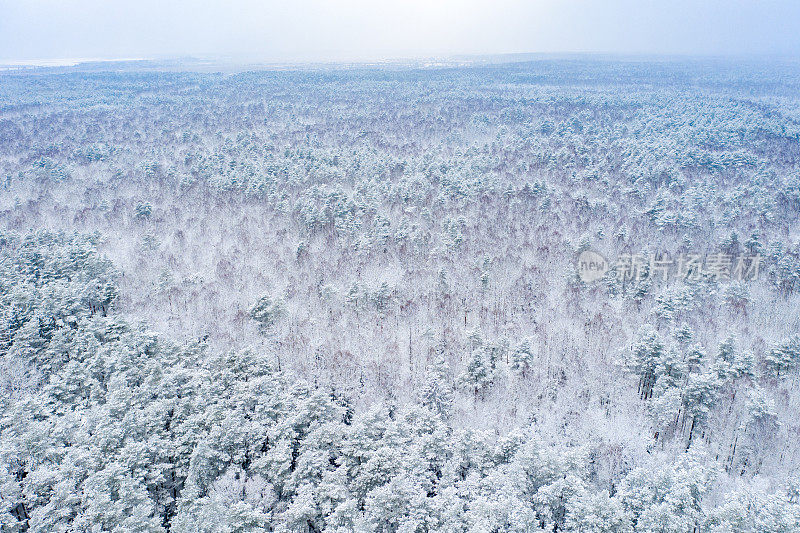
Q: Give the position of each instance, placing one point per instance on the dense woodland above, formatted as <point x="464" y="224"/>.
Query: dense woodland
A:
<point x="347" y="299"/>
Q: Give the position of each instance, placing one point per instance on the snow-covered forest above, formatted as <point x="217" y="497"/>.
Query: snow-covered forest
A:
<point x="348" y="300"/>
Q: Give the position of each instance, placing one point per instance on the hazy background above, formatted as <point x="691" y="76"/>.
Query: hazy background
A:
<point x="308" y="30"/>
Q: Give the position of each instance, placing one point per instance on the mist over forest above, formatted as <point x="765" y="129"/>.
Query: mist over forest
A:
<point x="351" y="299"/>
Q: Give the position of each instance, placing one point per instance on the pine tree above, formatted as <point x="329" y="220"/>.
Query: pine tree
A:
<point x="477" y="376"/>
<point x="597" y="513"/>
<point x="437" y="392"/>
<point x="784" y="357"/>
<point x="522" y="358"/>
<point x="645" y="358"/>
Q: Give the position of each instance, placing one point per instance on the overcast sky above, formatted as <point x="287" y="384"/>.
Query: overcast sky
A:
<point x="303" y="30"/>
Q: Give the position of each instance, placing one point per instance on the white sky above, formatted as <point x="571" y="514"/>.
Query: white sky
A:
<point x="303" y="30"/>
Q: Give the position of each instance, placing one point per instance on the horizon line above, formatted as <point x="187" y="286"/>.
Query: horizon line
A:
<point x="464" y="59"/>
